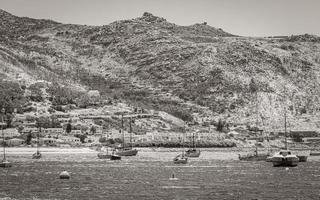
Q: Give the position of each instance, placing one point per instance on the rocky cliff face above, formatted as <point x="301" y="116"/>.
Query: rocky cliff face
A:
<point x="195" y="71"/>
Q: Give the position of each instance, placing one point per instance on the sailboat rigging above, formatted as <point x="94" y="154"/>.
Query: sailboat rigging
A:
<point x="4" y="163"/>
<point x="181" y="158"/>
<point x="284" y="157"/>
<point x="193" y="152"/>
<point x="37" y="154"/>
<point x="126" y="151"/>
<point x="256" y="156"/>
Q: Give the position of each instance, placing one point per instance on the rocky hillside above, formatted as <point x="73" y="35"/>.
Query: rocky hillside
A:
<point x="197" y="73"/>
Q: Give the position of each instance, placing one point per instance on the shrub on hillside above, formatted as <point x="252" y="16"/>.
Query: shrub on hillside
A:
<point x="11" y="96"/>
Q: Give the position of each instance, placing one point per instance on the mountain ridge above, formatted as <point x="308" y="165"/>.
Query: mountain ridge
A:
<point x="195" y="72"/>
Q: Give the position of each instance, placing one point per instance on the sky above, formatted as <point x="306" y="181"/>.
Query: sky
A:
<point x="240" y="17"/>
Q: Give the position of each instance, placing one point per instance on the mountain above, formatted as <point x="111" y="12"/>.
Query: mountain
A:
<point x="196" y="73"/>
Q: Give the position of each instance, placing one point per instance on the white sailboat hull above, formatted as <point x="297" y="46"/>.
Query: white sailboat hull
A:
<point x="126" y="152"/>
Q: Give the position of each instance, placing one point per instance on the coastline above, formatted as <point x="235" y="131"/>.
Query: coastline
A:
<point x="79" y="150"/>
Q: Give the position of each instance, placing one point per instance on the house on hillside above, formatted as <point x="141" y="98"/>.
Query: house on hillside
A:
<point x="70" y="140"/>
<point x="75" y="132"/>
<point x="10" y="133"/>
<point x="298" y="135"/>
<point x="15" y="142"/>
<point x="48" y="141"/>
<point x="53" y="132"/>
<point x="31" y="130"/>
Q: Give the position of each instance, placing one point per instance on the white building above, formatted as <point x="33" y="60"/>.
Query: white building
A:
<point x="10" y="133"/>
<point x="70" y="139"/>
<point x="52" y="131"/>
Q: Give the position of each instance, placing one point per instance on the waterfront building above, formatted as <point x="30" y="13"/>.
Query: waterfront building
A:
<point x="10" y="133"/>
<point x="70" y="139"/>
<point x="48" y="141"/>
<point x="15" y="142"/>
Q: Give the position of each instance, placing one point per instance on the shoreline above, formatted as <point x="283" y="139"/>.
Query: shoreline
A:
<point x="78" y="150"/>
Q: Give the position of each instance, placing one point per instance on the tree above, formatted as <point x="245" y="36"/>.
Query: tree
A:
<point x="253" y="86"/>
<point x="29" y="137"/>
<point x="93" y="130"/>
<point x="81" y="137"/>
<point x="220" y="125"/>
<point x="68" y="128"/>
<point x="102" y="139"/>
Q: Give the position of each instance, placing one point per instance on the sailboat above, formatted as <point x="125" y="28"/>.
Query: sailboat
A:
<point x="181" y="158"/>
<point x="4" y="163"/>
<point x="284" y="157"/>
<point x="106" y="155"/>
<point x="37" y="154"/>
<point x="256" y="156"/>
<point x="193" y="152"/>
<point x="126" y="151"/>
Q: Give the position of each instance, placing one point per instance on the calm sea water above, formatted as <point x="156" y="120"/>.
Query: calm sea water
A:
<point x="215" y="175"/>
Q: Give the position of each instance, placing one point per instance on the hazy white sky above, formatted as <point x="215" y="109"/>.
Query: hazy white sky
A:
<point x="240" y="17"/>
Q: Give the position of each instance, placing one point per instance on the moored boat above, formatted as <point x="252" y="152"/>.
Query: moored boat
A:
<point x="4" y="163"/>
<point x="180" y="159"/>
<point x="315" y="153"/>
<point x="115" y="157"/>
<point x="302" y="158"/>
<point x="36" y="155"/>
<point x="284" y="158"/>
<point x="126" y="151"/>
<point x="193" y="152"/>
<point x="104" y="155"/>
<point x="302" y="155"/>
<point x="254" y="156"/>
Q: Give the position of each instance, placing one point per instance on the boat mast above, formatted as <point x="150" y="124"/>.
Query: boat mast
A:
<point x="285" y="118"/>
<point x="131" y="132"/>
<point x="38" y="139"/>
<point x="193" y="146"/>
<point x="3" y="143"/>
<point x="285" y="128"/>
<point x="122" y="131"/>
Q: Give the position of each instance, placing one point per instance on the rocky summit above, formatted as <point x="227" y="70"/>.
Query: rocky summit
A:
<point x="197" y="73"/>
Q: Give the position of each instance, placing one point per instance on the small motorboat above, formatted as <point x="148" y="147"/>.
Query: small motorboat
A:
<point x="284" y="158"/>
<point x="315" y="153"/>
<point x="104" y="155"/>
<point x="193" y="153"/>
<point x="180" y="159"/>
<point x="115" y="157"/>
<point x="253" y="157"/>
<point x="302" y="158"/>
<point x="126" y="152"/>
<point x="303" y="155"/>
<point x="36" y="155"/>
<point x="5" y="164"/>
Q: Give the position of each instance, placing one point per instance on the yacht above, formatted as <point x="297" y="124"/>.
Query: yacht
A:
<point x="284" y="158"/>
